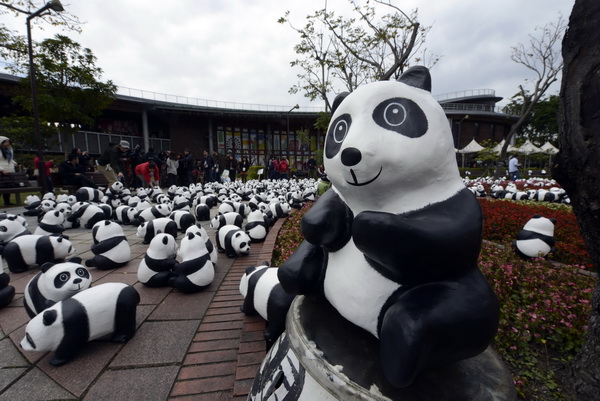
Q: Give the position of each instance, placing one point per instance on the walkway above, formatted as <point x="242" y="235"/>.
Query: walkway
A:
<point x="187" y="346"/>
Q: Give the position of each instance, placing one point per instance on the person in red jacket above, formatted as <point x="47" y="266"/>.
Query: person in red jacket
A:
<point x="284" y="168"/>
<point x="148" y="174"/>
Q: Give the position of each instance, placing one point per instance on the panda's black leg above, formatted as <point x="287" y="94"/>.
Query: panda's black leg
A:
<point x="125" y="324"/>
<point x="435" y="324"/>
<point x="68" y="348"/>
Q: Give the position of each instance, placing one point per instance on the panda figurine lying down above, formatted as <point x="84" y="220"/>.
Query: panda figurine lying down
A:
<point x="393" y="245"/>
<point x="106" y="310"/>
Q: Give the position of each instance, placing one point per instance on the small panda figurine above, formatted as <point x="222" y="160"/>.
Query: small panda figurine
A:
<point x="103" y="310"/>
<point x="67" y="211"/>
<point x="153" y="212"/>
<point x="393" y="244"/>
<point x="264" y="295"/>
<point x="125" y="214"/>
<point x="10" y="228"/>
<point x="202" y="211"/>
<point x="227" y="218"/>
<point x="180" y="202"/>
<point x="233" y="241"/>
<point x="51" y="224"/>
<point x="149" y="229"/>
<point x="28" y="250"/>
<point x="183" y="219"/>
<point x="54" y="283"/>
<point x="88" y="214"/>
<point x="196" y="271"/>
<point x="536" y="239"/>
<point x="257" y="226"/>
<point x="201" y="232"/>
<point x="88" y="194"/>
<point x="7" y="292"/>
<point x="156" y="269"/>
<point x="280" y="209"/>
<point x="111" y="249"/>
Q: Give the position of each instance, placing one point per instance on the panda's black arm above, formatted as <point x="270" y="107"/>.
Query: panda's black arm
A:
<point x="435" y="243"/>
<point x="107" y="245"/>
<point x="303" y="271"/>
<point x="328" y="222"/>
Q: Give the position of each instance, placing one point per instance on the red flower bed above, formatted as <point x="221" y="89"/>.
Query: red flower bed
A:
<point x="503" y="219"/>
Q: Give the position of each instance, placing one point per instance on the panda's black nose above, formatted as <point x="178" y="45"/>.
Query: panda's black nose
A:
<point x="351" y="157"/>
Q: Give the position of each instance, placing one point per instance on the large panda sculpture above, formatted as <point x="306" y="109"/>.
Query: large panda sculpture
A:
<point x="111" y="249"/>
<point x="54" y="283"/>
<point x="393" y="245"/>
<point x="536" y="239"/>
<point x="264" y="295"/>
<point x="104" y="310"/>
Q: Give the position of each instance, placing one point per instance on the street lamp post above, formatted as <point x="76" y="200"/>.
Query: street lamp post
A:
<point x="287" y="132"/>
<point x="54" y="5"/>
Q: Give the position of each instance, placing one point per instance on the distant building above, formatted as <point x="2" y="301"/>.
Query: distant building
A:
<point x="167" y="122"/>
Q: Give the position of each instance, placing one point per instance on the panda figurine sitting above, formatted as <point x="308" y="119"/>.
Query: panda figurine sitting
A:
<point x="111" y="249"/>
<point x="196" y="271"/>
<point x="156" y="269"/>
<point x="393" y="245"/>
<point x="536" y="239"/>
<point x="54" y="283"/>
<point x="104" y="310"/>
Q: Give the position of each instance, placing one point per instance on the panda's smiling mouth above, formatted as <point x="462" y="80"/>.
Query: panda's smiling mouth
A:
<point x="360" y="184"/>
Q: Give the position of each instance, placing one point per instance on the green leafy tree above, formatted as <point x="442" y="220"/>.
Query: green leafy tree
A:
<point x="336" y="52"/>
<point x="70" y="91"/>
<point x="11" y="42"/>
<point x="541" y="125"/>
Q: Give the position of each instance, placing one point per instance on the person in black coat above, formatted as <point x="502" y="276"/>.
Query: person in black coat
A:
<point x="207" y="164"/>
<point x="71" y="172"/>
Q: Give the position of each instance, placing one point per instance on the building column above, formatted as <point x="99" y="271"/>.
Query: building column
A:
<point x="145" y="131"/>
<point x="211" y="145"/>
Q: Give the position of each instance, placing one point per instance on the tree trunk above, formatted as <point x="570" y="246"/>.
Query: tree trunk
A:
<point x="577" y="165"/>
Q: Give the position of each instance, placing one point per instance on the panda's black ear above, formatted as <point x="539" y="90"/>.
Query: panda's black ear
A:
<point x="338" y="100"/>
<point x="44" y="268"/>
<point x="536" y="216"/>
<point x="417" y="76"/>
<point x="553" y="220"/>
<point x="76" y="259"/>
<point x="49" y="317"/>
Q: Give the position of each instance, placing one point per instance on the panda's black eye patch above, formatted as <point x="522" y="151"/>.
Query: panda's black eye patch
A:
<point x="82" y="272"/>
<point x="402" y="116"/>
<point x="61" y="279"/>
<point x="338" y="129"/>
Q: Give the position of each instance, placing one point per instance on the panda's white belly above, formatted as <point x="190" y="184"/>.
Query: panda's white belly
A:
<point x="533" y="247"/>
<point x="355" y="289"/>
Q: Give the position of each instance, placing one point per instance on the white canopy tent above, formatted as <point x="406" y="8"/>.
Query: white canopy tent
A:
<point x="528" y="148"/>
<point x="549" y="149"/>
<point x="472" y="147"/>
<point x="499" y="146"/>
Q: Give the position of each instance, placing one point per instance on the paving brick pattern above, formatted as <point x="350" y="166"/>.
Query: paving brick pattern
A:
<point x="187" y="347"/>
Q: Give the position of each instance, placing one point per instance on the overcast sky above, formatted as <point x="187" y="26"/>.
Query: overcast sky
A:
<point x="235" y="51"/>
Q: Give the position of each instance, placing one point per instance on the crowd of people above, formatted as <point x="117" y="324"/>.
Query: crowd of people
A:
<point x="139" y="169"/>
